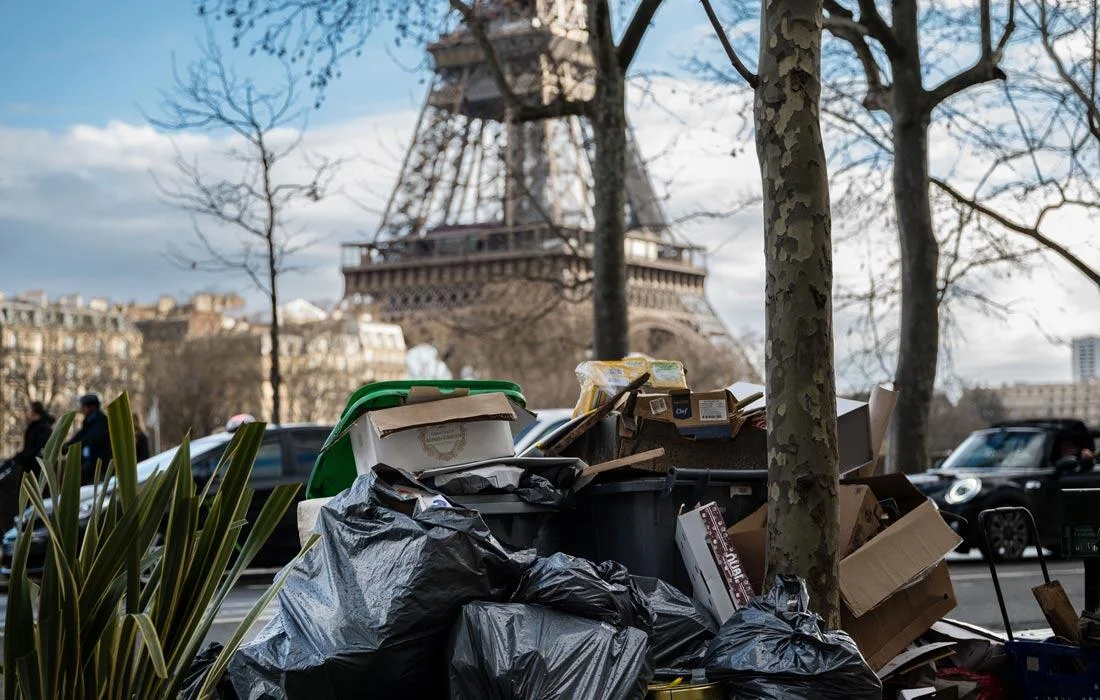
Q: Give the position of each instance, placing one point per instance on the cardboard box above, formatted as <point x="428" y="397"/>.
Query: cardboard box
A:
<point x="307" y="517"/>
<point x="435" y="433"/>
<point x="699" y="415"/>
<point x="895" y="585"/>
<point x="853" y="424"/>
<point x="717" y="576"/>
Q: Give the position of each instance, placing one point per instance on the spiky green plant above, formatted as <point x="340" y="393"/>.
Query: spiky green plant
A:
<point x="121" y="611"/>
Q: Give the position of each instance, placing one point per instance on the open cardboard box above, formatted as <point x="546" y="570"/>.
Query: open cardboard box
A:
<point x="894" y="586"/>
<point x="697" y="415"/>
<point x="434" y="429"/>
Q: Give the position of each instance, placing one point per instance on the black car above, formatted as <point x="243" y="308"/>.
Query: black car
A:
<point x="286" y="456"/>
<point x="1020" y="463"/>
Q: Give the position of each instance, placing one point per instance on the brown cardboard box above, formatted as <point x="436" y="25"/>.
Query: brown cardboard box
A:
<point x="718" y="577"/>
<point x="895" y="585"/>
<point x="861" y="517"/>
<point x="699" y="415"/>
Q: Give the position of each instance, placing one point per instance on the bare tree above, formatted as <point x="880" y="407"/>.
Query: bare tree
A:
<point x="803" y="473"/>
<point x="201" y="382"/>
<point x="309" y="28"/>
<point x="252" y="202"/>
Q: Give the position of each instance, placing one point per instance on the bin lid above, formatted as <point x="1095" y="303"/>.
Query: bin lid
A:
<point x="334" y="469"/>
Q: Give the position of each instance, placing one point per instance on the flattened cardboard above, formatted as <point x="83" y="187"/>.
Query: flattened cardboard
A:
<point x="898" y="556"/>
<point x="461" y="409"/>
<point x="884" y="632"/>
<point x="853" y="426"/>
<point x="897" y="580"/>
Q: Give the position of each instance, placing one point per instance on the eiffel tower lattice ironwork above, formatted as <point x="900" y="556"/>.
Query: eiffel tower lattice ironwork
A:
<point x="484" y="197"/>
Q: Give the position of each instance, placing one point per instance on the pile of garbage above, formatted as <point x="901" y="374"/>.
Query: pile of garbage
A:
<point x="622" y="556"/>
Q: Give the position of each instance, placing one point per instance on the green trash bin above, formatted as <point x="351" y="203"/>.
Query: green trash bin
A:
<point x="335" y="471"/>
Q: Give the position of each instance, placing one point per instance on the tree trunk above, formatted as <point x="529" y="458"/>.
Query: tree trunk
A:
<point x="610" y="330"/>
<point x="801" y="408"/>
<point x="920" y="255"/>
<point x="276" y="376"/>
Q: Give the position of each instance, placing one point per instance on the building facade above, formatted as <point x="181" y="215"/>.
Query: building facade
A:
<point x="1080" y="400"/>
<point x="56" y="351"/>
<point x="1085" y="357"/>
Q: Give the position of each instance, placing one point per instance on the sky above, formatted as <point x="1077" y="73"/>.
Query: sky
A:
<point x="79" y="211"/>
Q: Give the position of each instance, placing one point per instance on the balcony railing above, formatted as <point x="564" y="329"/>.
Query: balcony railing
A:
<point x="469" y="243"/>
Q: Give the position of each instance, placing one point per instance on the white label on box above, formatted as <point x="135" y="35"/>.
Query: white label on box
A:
<point x="665" y="371"/>
<point x="712" y="410"/>
<point x="658" y="406"/>
<point x="443" y="442"/>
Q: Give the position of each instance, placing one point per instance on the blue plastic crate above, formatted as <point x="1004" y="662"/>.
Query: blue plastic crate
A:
<point x="1051" y="671"/>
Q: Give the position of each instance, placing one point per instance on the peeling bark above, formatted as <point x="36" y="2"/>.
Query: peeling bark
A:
<point x="801" y="408"/>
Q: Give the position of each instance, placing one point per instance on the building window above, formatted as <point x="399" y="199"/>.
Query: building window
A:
<point x="68" y="343"/>
<point x="70" y="370"/>
<point x="123" y="349"/>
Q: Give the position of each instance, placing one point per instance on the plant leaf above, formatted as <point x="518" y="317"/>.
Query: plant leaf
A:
<point x="152" y="643"/>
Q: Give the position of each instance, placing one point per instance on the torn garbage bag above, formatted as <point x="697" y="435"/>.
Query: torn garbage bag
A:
<point x="604" y="592"/>
<point x="682" y="627"/>
<point x="370" y="607"/>
<point x="508" y="651"/>
<point x="775" y="649"/>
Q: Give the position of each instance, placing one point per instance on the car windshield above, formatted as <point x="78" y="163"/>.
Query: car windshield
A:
<point x="989" y="449"/>
<point x="198" y="448"/>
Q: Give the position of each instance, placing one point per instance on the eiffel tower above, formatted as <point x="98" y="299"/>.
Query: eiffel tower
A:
<point x="482" y="198"/>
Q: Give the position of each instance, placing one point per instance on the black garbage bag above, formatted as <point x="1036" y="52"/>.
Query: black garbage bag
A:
<point x="367" y="612"/>
<point x="509" y="651"/>
<point x="682" y="627"/>
<point x="196" y="676"/>
<point x="570" y="584"/>
<point x="775" y="649"/>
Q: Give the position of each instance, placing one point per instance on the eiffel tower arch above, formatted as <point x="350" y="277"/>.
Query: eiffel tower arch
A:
<point x="487" y="209"/>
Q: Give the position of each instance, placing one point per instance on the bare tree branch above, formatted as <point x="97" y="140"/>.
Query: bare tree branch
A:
<point x="635" y="31"/>
<point x="738" y="65"/>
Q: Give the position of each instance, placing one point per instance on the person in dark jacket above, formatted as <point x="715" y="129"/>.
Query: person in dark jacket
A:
<point x="141" y="438"/>
<point x="93" y="438"/>
<point x="35" y="437"/>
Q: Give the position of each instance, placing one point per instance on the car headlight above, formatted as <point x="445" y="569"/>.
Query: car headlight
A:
<point x="963" y="490"/>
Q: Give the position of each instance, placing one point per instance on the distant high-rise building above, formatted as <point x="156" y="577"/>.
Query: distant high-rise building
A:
<point x="1085" y="351"/>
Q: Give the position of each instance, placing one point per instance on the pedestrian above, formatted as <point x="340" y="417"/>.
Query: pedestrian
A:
<point x="93" y="438"/>
<point x="35" y="436"/>
<point x="141" y="438"/>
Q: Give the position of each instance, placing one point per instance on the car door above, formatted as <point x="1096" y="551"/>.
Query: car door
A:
<point x="1052" y="520"/>
<point x="301" y="447"/>
<point x="268" y="472"/>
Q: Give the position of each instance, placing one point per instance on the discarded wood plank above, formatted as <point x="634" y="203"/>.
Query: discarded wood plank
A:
<point x="594" y="417"/>
<point x="750" y="399"/>
<point x="1058" y="610"/>
<point x="631" y="460"/>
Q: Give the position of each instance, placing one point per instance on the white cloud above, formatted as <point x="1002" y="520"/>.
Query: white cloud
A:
<point x="79" y="212"/>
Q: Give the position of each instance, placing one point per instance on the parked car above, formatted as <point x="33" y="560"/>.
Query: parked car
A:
<point x="286" y="456"/>
<point x="546" y="422"/>
<point x="1017" y="463"/>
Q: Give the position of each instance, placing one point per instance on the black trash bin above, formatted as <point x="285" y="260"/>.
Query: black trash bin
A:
<point x="512" y="520"/>
<point x="634" y="522"/>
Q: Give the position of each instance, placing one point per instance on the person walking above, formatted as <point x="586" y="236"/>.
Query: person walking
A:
<point x="141" y="438"/>
<point x="35" y="436"/>
<point x="93" y="438"/>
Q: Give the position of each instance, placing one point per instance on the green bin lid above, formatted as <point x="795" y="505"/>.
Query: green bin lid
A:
<point x="335" y="470"/>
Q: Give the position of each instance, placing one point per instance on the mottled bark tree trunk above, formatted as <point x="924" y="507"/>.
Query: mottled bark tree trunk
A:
<point x="801" y="409"/>
<point x="918" y="348"/>
<point x="610" y="328"/>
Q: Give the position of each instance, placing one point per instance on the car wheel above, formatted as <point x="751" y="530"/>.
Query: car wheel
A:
<point x="1008" y="535"/>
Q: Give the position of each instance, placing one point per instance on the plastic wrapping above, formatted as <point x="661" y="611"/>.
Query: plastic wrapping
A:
<point x="775" y="649"/>
<point x="600" y="380"/>
<point x="528" y="652"/>
<point x="603" y="592"/>
<point x="550" y="484"/>
<point x="368" y="610"/>
<point x="682" y="628"/>
<point x="196" y="676"/>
